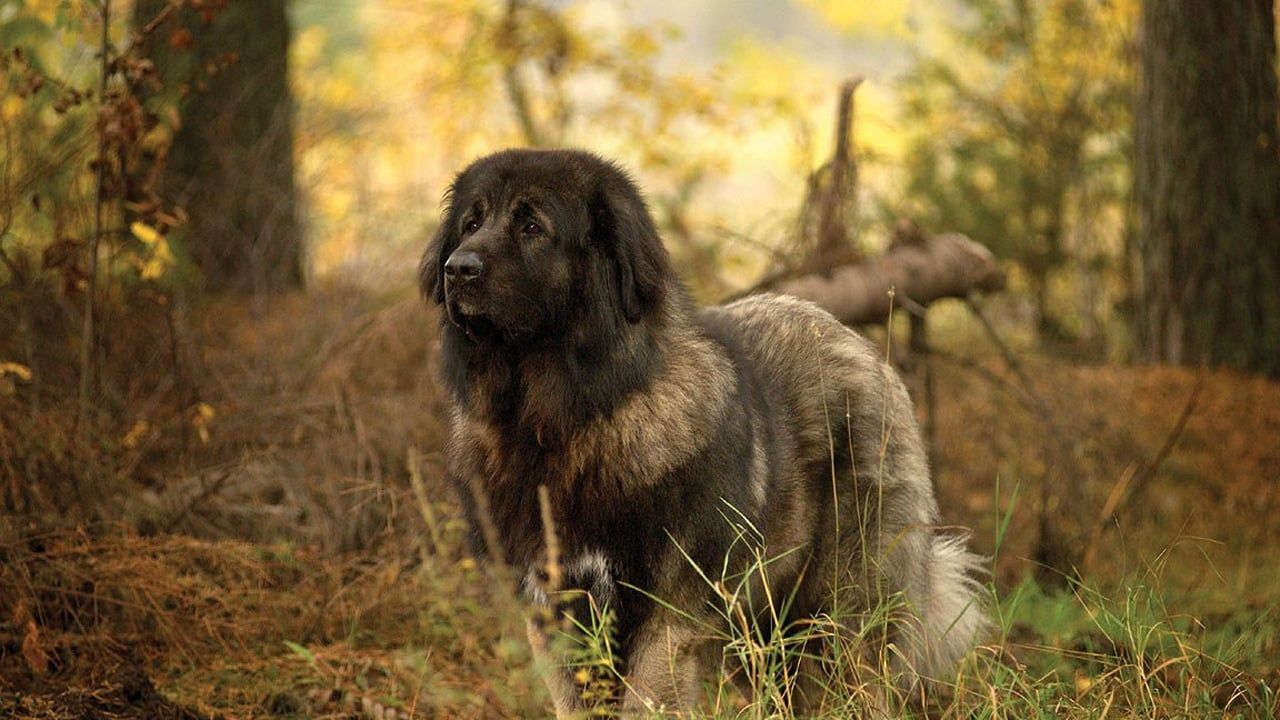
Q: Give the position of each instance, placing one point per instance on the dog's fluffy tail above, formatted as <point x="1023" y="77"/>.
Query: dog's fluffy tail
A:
<point x="950" y="617"/>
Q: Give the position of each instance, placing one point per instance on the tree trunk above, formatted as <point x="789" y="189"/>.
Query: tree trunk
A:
<point x="231" y="162"/>
<point x="1207" y="184"/>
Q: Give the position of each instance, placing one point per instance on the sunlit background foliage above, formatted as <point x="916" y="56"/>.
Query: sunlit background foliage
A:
<point x="1004" y="120"/>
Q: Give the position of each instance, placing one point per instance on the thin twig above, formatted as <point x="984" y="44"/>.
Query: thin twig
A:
<point x="1009" y="357"/>
<point x="986" y="374"/>
<point x="87" y="336"/>
<point x="1134" y="480"/>
<point x="507" y="592"/>
<point x="554" y="572"/>
<point x="492" y="541"/>
<point x="206" y="491"/>
<point x="414" y="462"/>
<point x="919" y="347"/>
<point x="151" y="26"/>
<point x="179" y="379"/>
<point x="1148" y="471"/>
<point x="1052" y="544"/>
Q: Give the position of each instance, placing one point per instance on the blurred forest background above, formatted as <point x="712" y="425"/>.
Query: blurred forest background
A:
<point x="220" y="432"/>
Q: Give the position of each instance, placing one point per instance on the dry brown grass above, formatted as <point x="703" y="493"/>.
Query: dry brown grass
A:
<point x="241" y="629"/>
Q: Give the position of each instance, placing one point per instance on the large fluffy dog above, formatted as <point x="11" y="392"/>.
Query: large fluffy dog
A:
<point x="761" y="444"/>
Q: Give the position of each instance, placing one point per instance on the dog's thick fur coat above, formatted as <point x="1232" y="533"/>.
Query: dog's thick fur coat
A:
<point x="676" y="442"/>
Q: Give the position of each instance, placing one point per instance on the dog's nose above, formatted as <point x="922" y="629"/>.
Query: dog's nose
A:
<point x="463" y="265"/>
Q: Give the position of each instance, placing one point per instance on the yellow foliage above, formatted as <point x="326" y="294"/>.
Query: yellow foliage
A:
<point x="200" y="419"/>
<point x="161" y="260"/>
<point x="205" y="411"/>
<point x="11" y="107"/>
<point x="144" y="232"/>
<point x="156" y="257"/>
<point x="44" y="10"/>
<point x="136" y="434"/>
<point x="8" y="372"/>
<point x="879" y="17"/>
<point x="22" y="372"/>
<point x="442" y="73"/>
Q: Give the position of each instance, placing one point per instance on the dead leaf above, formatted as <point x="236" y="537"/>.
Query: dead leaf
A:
<point x="37" y="659"/>
<point x="181" y="39"/>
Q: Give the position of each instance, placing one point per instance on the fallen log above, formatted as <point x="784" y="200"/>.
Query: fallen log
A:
<point x="920" y="268"/>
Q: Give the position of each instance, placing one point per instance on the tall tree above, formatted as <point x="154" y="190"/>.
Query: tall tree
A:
<point x="1207" y="184"/>
<point x="230" y="164"/>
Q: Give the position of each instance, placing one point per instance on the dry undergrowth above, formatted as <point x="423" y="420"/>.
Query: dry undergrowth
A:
<point x="348" y="603"/>
<point x="240" y="630"/>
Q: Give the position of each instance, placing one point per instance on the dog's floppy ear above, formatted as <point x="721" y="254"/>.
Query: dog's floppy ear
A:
<point x="643" y="266"/>
<point x="431" y="267"/>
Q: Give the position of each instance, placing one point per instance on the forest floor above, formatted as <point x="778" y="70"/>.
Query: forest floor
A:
<point x="304" y="561"/>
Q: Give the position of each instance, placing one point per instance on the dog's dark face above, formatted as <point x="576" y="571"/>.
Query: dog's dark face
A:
<point x="532" y="242"/>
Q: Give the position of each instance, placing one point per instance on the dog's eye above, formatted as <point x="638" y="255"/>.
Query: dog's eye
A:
<point x="531" y="228"/>
<point x="471" y="226"/>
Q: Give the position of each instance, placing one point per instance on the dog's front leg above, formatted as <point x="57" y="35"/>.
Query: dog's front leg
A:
<point x="666" y="668"/>
<point x="565" y="697"/>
